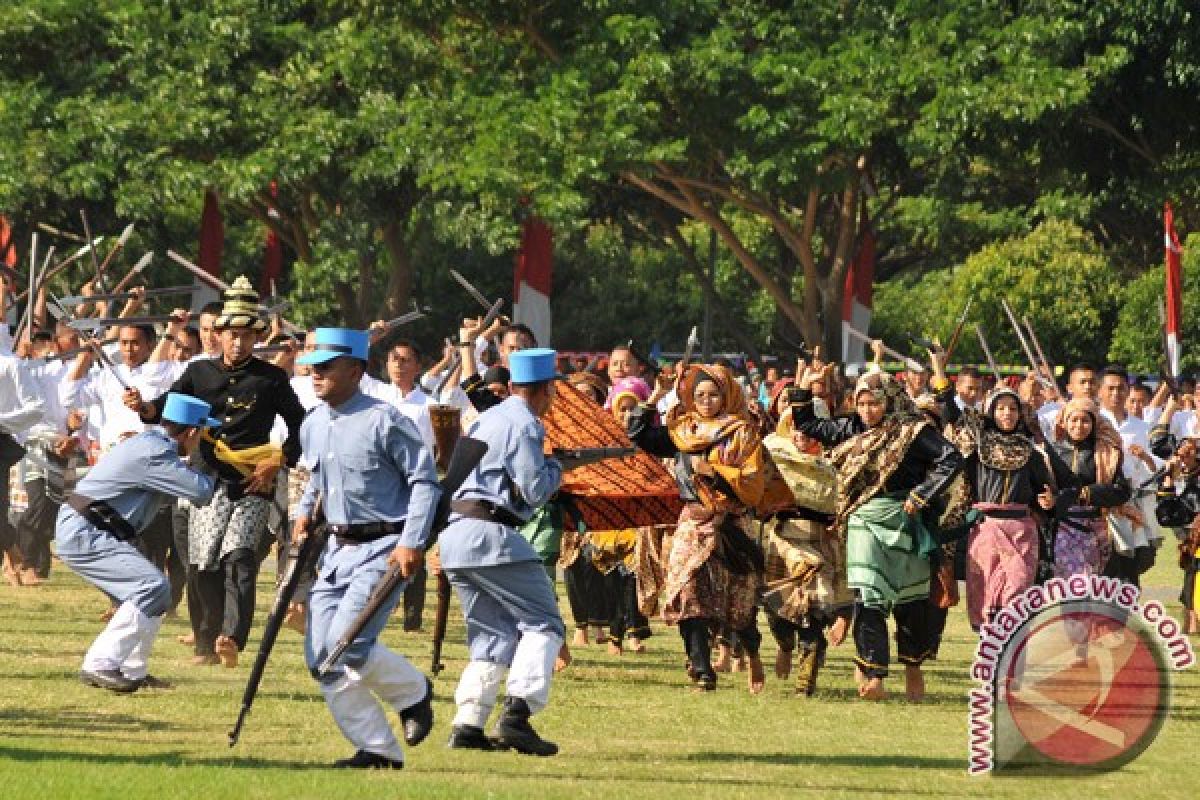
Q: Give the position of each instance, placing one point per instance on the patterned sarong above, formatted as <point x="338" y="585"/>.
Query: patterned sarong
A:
<point x="887" y="553"/>
<point x="224" y="525"/>
<point x="699" y="585"/>
<point x="1002" y="559"/>
<point x="1080" y="544"/>
<point x="806" y="570"/>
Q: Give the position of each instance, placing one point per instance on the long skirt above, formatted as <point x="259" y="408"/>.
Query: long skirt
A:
<point x="887" y="553"/>
<point x="1080" y="544"/>
<point x="1001" y="560"/>
<point x="700" y="584"/>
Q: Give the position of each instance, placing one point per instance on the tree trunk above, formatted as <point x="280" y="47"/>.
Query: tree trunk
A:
<point x="401" y="276"/>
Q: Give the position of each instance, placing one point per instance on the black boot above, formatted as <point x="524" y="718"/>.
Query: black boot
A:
<point x="513" y="729"/>
<point x="364" y="759"/>
<point x="110" y="679"/>
<point x="418" y="718"/>
<point x="468" y="737"/>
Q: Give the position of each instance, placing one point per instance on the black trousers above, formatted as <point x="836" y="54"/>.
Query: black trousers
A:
<point x="8" y="533"/>
<point x="586" y="595"/>
<point x="414" y="599"/>
<point x="790" y="635"/>
<point x="226" y="600"/>
<point x="913" y="642"/>
<point x="35" y="528"/>
<point x="697" y="643"/>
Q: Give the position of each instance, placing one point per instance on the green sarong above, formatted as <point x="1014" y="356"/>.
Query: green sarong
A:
<point x="887" y="553"/>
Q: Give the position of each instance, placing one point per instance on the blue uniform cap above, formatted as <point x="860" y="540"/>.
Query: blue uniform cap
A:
<point x="337" y="342"/>
<point x="533" y="365"/>
<point x="187" y="410"/>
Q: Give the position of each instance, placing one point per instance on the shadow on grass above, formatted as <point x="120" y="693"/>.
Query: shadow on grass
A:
<point x="823" y="759"/>
<point x="167" y="759"/>
<point x="80" y="721"/>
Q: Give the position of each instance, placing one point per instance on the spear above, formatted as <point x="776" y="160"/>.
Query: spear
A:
<point x="137" y="269"/>
<point x="60" y="266"/>
<point x="166" y="291"/>
<point x="909" y="362"/>
<point x="987" y="352"/>
<point x="87" y="231"/>
<point x="121" y="240"/>
<point x="53" y="231"/>
<point x="1012" y="318"/>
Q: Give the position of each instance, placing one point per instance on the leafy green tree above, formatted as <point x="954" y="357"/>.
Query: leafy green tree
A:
<point x="1137" y="340"/>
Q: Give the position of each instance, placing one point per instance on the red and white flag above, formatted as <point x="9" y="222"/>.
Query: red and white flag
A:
<point x="531" y="281"/>
<point x="857" y="296"/>
<point x="1174" y="302"/>
<point x="212" y="243"/>
<point x="273" y="256"/>
<point x="8" y="248"/>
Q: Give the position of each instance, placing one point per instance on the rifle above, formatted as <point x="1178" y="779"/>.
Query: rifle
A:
<point x="1012" y="318"/>
<point x="958" y="329"/>
<point x="166" y="291"/>
<point x="574" y="458"/>
<point x="92" y="323"/>
<point x="467" y="455"/>
<point x="440" y="618"/>
<point x="304" y="558"/>
<point x="987" y="352"/>
<point x="910" y="363"/>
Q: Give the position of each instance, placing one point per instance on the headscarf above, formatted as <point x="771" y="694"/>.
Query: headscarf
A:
<point x="729" y="440"/>
<point x="631" y="387"/>
<point x="1004" y="450"/>
<point x="1108" y="445"/>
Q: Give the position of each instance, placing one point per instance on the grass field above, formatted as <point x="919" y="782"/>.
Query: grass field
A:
<point x="628" y="726"/>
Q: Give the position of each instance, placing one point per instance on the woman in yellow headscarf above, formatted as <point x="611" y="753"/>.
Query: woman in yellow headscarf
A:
<point x="722" y="472"/>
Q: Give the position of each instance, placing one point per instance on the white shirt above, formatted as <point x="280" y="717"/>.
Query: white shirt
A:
<point x="49" y="375"/>
<point x="21" y="405"/>
<point x="100" y="390"/>
<point x="414" y="405"/>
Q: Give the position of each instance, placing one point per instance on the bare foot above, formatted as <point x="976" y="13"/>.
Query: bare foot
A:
<point x="914" y="683"/>
<point x="758" y="675"/>
<point x="837" y="631"/>
<point x="872" y="690"/>
<point x="783" y="664"/>
<point x="581" y="638"/>
<point x="598" y="634"/>
<point x="296" y="617"/>
<point x="1191" y="624"/>
<point x="227" y="651"/>
<point x="860" y="679"/>
<point x="614" y="647"/>
<point x="12" y="571"/>
<point x="724" y="658"/>
<point x="564" y="658"/>
<point x="739" y="664"/>
<point x="636" y="646"/>
<point x="186" y="638"/>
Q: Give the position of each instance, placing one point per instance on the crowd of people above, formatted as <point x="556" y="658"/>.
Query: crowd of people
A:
<point x="825" y="500"/>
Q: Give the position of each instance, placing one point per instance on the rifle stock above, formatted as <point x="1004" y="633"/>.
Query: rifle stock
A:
<point x="439" y="621"/>
<point x="306" y="555"/>
<point x="468" y="453"/>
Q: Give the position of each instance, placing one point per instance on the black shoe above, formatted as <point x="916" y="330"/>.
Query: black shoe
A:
<point x="418" y="719"/>
<point x="364" y="759"/>
<point x="110" y="679"/>
<point x="151" y="682"/>
<point x="513" y="730"/>
<point x="468" y="737"/>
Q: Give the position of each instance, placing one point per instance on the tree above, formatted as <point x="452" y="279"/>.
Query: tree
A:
<point x="1137" y="340"/>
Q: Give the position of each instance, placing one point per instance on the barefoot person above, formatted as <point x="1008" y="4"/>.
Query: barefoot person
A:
<point x="378" y="485"/>
<point x="99" y="522"/>
<point x="891" y="463"/>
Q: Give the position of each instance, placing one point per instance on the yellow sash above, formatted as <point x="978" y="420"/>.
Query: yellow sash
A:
<point x="248" y="458"/>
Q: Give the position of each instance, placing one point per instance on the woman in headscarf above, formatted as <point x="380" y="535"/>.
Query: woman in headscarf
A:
<point x="1008" y="479"/>
<point x="722" y="473"/>
<point x="1092" y="485"/>
<point x="891" y="464"/>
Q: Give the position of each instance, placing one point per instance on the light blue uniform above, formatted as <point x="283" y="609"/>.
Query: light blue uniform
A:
<point x="508" y="601"/>
<point x="370" y="465"/>
<point x="134" y="478"/>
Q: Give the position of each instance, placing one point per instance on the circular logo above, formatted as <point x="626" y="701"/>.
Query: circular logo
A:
<point x="1085" y="685"/>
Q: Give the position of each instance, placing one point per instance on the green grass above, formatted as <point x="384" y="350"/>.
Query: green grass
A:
<point x="627" y="726"/>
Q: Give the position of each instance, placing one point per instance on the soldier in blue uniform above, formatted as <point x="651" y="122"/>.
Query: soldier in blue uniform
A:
<point x="378" y="487"/>
<point x="96" y="527"/>
<point x="511" y="612"/>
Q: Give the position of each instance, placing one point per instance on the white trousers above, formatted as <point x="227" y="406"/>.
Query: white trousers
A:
<point x="528" y="678"/>
<point x="125" y="644"/>
<point x="359" y="715"/>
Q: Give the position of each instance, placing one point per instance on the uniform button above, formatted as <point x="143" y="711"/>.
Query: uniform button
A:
<point x="232" y="381"/>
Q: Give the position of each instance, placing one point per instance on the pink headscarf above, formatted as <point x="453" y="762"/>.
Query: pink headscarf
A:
<point x="635" y="387"/>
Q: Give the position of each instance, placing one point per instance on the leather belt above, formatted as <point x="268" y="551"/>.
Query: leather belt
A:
<point x="365" y="532"/>
<point x="1005" y="513"/>
<point x="486" y="511"/>
<point x="102" y="515"/>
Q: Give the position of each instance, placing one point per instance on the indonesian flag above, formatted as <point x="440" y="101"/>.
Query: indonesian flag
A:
<point x="1174" y="310"/>
<point x="212" y="242"/>
<point x="531" y="282"/>
<point x="856" y="297"/>
<point x="273" y="257"/>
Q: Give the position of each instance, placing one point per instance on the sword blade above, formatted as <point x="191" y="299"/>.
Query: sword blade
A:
<point x="479" y="296"/>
